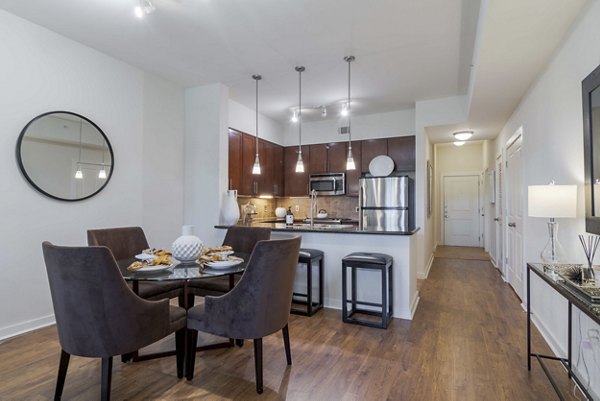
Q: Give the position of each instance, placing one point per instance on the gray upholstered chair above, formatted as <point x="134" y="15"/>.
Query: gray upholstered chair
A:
<point x="241" y="239"/>
<point x="98" y="316"/>
<point x="125" y="243"/>
<point x="257" y="306"/>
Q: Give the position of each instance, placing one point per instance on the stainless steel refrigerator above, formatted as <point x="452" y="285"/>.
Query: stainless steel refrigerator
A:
<point x="386" y="203"/>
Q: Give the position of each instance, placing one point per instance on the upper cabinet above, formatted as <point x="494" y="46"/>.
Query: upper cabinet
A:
<point x="296" y="184"/>
<point x="370" y="149"/>
<point x="242" y="152"/>
<point x="278" y="164"/>
<point x="402" y="150"/>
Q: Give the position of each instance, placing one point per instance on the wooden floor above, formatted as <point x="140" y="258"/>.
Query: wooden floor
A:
<point x="466" y="342"/>
<point x="461" y="252"/>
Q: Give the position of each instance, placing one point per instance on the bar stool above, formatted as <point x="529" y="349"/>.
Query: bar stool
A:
<point x="308" y="257"/>
<point x="370" y="261"/>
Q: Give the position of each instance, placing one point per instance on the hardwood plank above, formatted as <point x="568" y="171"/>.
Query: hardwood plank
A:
<point x="466" y="342"/>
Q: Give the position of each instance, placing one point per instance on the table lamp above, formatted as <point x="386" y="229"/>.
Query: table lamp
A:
<point x="552" y="201"/>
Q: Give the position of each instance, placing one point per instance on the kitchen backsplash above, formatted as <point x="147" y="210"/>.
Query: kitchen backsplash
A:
<point x="336" y="206"/>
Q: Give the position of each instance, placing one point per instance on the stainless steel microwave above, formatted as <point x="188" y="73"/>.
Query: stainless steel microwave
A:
<point x="328" y="183"/>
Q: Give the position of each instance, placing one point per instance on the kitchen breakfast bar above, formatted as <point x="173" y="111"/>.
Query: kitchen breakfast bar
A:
<point x="337" y="241"/>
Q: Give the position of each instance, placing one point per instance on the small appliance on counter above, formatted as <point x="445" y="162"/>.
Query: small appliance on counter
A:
<point x="386" y="203"/>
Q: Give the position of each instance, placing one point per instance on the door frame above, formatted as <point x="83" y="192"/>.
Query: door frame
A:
<point x="443" y="197"/>
<point x="518" y="135"/>
<point x="499" y="213"/>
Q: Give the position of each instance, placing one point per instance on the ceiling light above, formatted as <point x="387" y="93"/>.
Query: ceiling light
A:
<point x="345" y="106"/>
<point x="323" y="111"/>
<point x="256" y="165"/>
<point x="78" y="173"/>
<point x="459" y="143"/>
<point x="299" y="163"/>
<point x="102" y="174"/>
<point x="349" y="160"/>
<point x="463" y="135"/>
<point x="143" y="8"/>
<point x="295" y="117"/>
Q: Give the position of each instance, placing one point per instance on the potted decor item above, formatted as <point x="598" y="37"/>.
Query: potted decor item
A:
<point x="187" y="248"/>
<point x="230" y="212"/>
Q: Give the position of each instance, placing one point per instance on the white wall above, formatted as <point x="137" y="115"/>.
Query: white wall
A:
<point x="243" y="119"/>
<point x="380" y="125"/>
<point x="551" y="117"/>
<point x="42" y="71"/>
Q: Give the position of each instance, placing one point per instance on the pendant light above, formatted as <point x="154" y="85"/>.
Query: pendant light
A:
<point x="256" y="166"/>
<point x="350" y="160"/>
<point x="300" y="163"/>
<point x="79" y="173"/>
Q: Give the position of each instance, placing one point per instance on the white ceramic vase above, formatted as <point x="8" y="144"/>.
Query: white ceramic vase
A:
<point x="187" y="248"/>
<point x="230" y="212"/>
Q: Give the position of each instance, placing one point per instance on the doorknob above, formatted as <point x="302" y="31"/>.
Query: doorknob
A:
<point x="497" y="219"/>
<point x="512" y="224"/>
<point x="445" y="216"/>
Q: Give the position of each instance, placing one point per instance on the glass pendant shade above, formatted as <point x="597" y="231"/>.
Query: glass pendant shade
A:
<point x="256" y="166"/>
<point x="300" y="164"/>
<point x="553" y="252"/>
<point x="79" y="174"/>
<point x="350" y="161"/>
<point x="102" y="174"/>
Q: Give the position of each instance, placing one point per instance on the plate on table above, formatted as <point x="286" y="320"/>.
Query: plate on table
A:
<point x="153" y="269"/>
<point x="381" y="166"/>
<point x="145" y="256"/>
<point x="224" y="264"/>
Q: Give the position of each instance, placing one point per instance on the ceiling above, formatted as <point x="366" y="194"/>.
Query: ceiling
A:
<point x="406" y="51"/>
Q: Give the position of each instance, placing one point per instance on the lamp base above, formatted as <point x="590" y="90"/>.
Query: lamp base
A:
<point x="553" y="252"/>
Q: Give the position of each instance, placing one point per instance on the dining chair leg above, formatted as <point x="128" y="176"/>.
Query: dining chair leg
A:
<point x="286" y="343"/>
<point x="106" y="378"/>
<point x="239" y="342"/>
<point x="192" y="336"/>
<point x="180" y="350"/>
<point x="258" y="364"/>
<point x="62" y="374"/>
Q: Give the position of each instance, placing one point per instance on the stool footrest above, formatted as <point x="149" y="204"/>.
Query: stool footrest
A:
<point x="364" y="303"/>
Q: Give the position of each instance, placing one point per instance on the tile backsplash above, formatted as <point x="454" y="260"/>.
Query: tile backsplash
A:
<point x="336" y="206"/>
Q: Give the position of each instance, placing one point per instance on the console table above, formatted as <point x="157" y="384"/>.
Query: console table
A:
<point x="573" y="298"/>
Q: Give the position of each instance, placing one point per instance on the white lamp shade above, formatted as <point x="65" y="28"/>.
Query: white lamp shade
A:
<point x="552" y="201"/>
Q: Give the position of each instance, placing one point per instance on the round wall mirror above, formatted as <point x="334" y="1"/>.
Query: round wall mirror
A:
<point x="65" y="156"/>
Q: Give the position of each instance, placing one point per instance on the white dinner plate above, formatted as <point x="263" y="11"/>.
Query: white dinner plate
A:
<point x="153" y="269"/>
<point x="381" y="166"/>
<point x="223" y="264"/>
<point x="145" y="256"/>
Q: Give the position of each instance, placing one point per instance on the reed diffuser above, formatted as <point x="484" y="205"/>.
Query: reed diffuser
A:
<point x="590" y="245"/>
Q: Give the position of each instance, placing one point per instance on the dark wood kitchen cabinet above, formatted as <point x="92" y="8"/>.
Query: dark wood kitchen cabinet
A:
<point x="402" y="150"/>
<point x="370" y="149"/>
<point x="235" y="157"/>
<point x="328" y="157"/>
<point x="295" y="184"/>
<point x="318" y="160"/>
<point x="242" y="152"/>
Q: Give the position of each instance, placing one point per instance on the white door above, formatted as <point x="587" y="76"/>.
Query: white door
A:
<point x="498" y="218"/>
<point x="514" y="217"/>
<point x="461" y="211"/>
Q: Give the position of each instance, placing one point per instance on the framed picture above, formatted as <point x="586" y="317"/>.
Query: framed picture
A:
<point x="429" y="188"/>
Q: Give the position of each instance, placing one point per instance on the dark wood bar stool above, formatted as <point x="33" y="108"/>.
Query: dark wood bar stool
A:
<point x="308" y="257"/>
<point x="369" y="261"/>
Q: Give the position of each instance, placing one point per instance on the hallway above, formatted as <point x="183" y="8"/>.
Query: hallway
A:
<point x="467" y="342"/>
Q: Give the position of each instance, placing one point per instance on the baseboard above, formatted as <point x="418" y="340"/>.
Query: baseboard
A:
<point x="413" y="305"/>
<point x="552" y="342"/>
<point x="24" y="327"/>
<point x="493" y="261"/>
<point x="425" y="274"/>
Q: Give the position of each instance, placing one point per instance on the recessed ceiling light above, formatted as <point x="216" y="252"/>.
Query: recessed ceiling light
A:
<point x="463" y="135"/>
<point x="459" y="143"/>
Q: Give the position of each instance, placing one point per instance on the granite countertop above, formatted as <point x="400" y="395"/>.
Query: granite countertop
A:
<point x="322" y="228"/>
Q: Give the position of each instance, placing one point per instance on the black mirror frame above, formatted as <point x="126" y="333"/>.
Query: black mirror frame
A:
<point x="33" y="184"/>
<point x="588" y="85"/>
